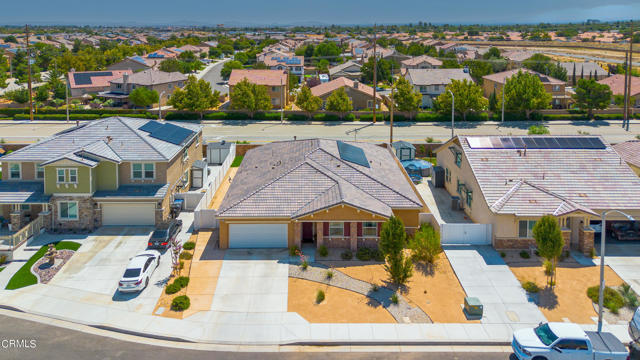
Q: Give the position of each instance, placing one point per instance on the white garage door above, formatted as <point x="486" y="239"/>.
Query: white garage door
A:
<point x="128" y="214"/>
<point x="465" y="234"/>
<point x="246" y="236"/>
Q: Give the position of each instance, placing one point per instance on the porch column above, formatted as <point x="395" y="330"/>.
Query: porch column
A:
<point x="16" y="218"/>
<point x="319" y="233"/>
<point x="353" y="236"/>
<point x="46" y="216"/>
<point x="297" y="234"/>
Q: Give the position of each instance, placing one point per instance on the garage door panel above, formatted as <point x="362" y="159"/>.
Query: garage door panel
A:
<point x="465" y="234"/>
<point x="247" y="236"/>
<point x="128" y="214"/>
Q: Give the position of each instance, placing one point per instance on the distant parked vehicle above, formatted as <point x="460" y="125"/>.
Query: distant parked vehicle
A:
<point x="139" y="270"/>
<point x="560" y="341"/>
<point x="625" y="231"/>
<point x="161" y="238"/>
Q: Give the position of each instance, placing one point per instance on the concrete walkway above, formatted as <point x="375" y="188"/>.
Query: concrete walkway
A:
<point x="483" y="274"/>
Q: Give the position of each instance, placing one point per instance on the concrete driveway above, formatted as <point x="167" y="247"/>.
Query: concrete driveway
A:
<point x="483" y="274"/>
<point x="623" y="257"/>
<point x="254" y="281"/>
<point x="101" y="260"/>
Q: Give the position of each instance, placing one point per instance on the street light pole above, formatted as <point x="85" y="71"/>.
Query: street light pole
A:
<point x="160" y="105"/>
<point x="503" y="104"/>
<point x="391" y="113"/>
<point x="603" y="231"/>
<point x="453" y="109"/>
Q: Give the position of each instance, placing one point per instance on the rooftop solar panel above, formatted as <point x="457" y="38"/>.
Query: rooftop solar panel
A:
<point x="535" y="142"/>
<point x="352" y="154"/>
<point x="507" y="143"/>
<point x="595" y="143"/>
<point x="150" y="126"/>
<point x="529" y="143"/>
<point x="85" y="78"/>
<point x="517" y="143"/>
<point x="171" y="133"/>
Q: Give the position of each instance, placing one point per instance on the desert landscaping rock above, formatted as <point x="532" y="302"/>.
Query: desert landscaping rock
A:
<point x="400" y="311"/>
<point x="44" y="272"/>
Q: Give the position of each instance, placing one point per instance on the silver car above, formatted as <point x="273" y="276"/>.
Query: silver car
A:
<point x="136" y="276"/>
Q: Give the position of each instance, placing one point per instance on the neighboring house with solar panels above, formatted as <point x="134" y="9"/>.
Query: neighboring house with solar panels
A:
<point x="92" y="82"/>
<point x="493" y="83"/>
<point x="133" y="63"/>
<point x="164" y="83"/>
<point x="512" y="181"/>
<point x="114" y="171"/>
<point x="316" y="191"/>
<point x="292" y="64"/>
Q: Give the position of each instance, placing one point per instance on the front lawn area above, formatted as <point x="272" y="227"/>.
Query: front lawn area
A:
<point x="237" y="161"/>
<point x="24" y="277"/>
<point x="568" y="299"/>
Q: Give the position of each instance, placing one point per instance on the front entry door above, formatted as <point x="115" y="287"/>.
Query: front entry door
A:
<point x="307" y="232"/>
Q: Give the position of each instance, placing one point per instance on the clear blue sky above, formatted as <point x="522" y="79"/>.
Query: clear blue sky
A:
<point x="267" y="12"/>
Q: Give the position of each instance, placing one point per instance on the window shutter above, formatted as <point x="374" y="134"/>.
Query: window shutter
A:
<point x="325" y="228"/>
<point x="359" y="229"/>
<point x="347" y="229"/>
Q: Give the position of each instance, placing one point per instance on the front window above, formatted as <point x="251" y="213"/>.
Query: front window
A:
<point x="447" y="175"/>
<point x="73" y="176"/>
<point x="68" y="210"/>
<point x="39" y="172"/>
<point x="458" y="159"/>
<point x="545" y="334"/>
<point x="469" y="197"/>
<point x="336" y="229"/>
<point x="67" y="176"/>
<point x="61" y="177"/>
<point x="14" y="171"/>
<point x="185" y="155"/>
<point x="25" y="207"/>
<point x="148" y="171"/>
<point x="369" y="229"/>
<point x="556" y="87"/>
<point x="142" y="171"/>
<point x="525" y="228"/>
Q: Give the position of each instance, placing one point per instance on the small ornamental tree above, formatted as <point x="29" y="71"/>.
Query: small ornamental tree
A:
<point x="339" y="102"/>
<point x="406" y="98"/>
<point x="549" y="240"/>
<point x="525" y="92"/>
<point x="250" y="97"/>
<point x="468" y="97"/>
<point x="592" y="95"/>
<point x="425" y="244"/>
<point x="143" y="97"/>
<point x="307" y="102"/>
<point x="176" y="248"/>
<point x="195" y="96"/>
<point x="393" y="240"/>
<point x="42" y="93"/>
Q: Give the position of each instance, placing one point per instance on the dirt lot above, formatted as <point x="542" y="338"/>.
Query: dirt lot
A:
<point x="436" y="291"/>
<point x="569" y="298"/>
<point x="339" y="305"/>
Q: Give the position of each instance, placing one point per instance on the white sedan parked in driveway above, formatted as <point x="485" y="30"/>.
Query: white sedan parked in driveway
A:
<point x="136" y="276"/>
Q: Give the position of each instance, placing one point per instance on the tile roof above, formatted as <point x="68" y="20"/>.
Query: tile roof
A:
<point x="328" y="87"/>
<point x="435" y="76"/>
<point x="340" y="67"/>
<point x="551" y="180"/>
<point x="86" y="79"/>
<point x="23" y="192"/>
<point x="152" y="77"/>
<point x="616" y="83"/>
<point x="115" y="138"/>
<point x="420" y="59"/>
<point x="294" y="178"/>
<point x="502" y="77"/>
<point x="134" y="191"/>
<point x="587" y="67"/>
<point x="260" y="77"/>
<point x="629" y="151"/>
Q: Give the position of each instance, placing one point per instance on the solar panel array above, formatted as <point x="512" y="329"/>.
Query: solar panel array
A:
<point x="287" y="60"/>
<point x="85" y="78"/>
<point x="536" y="142"/>
<point x="352" y="154"/>
<point x="167" y="132"/>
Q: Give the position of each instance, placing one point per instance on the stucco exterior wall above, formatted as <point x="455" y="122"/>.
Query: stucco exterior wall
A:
<point x="51" y="185"/>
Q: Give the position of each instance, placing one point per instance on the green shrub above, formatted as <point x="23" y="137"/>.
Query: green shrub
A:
<point x="613" y="300"/>
<point x="524" y="254"/>
<point x="189" y="245"/>
<point x="323" y="251"/>
<point x="182" y="281"/>
<point x="503" y="254"/>
<point x="304" y="265"/>
<point x="183" y="116"/>
<point x="346" y="255"/>
<point x="186" y="255"/>
<point x="530" y="286"/>
<point x="425" y="244"/>
<point x="363" y="254"/>
<point x="375" y="287"/>
<point x="181" y="264"/>
<point x="237" y="161"/>
<point x="630" y="297"/>
<point x="293" y="250"/>
<point x="329" y="274"/>
<point x="377" y="255"/>
<point x="180" y="303"/>
<point x="172" y="288"/>
<point x="394" y="298"/>
<point x="319" y="296"/>
<point x="548" y="267"/>
<point x="538" y="130"/>
<point x="326" y="117"/>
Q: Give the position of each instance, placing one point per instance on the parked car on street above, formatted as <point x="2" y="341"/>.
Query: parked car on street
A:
<point x="634" y="326"/>
<point x="139" y="270"/>
<point x="625" y="231"/>
<point x="161" y="238"/>
<point x="560" y="341"/>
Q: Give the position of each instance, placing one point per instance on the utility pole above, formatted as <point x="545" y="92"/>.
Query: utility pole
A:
<point x="281" y="101"/>
<point x="391" y="113"/>
<point x="503" y="103"/>
<point x="375" y="73"/>
<point x="26" y="27"/>
<point x="625" y="96"/>
<point x="66" y="94"/>
<point x="629" y="106"/>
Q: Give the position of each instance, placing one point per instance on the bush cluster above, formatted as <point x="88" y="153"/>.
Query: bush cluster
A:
<point x="366" y="254"/>
<point x="613" y="300"/>
<point x="189" y="245"/>
<point x="323" y="251"/>
<point x="180" y="303"/>
<point x="346" y="255"/>
<point x="186" y="255"/>
<point x="530" y="286"/>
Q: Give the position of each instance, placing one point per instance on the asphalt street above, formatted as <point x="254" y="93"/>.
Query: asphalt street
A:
<point x="52" y="342"/>
<point x="263" y="131"/>
<point x="214" y="78"/>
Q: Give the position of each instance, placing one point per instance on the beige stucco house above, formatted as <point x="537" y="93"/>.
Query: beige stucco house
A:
<point x="511" y="181"/>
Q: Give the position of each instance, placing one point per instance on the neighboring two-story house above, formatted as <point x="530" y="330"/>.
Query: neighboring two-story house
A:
<point x="276" y="82"/>
<point x="92" y="82"/>
<point x="559" y="99"/>
<point x="433" y="82"/>
<point x="164" y="83"/>
<point x="294" y="65"/>
<point x="420" y="62"/>
<point x="361" y="95"/>
<point x="349" y="69"/>
<point x="114" y="171"/>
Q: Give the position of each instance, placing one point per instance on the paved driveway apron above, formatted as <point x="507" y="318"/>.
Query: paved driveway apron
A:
<point x="624" y="259"/>
<point x="253" y="281"/>
<point x="483" y="274"/>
